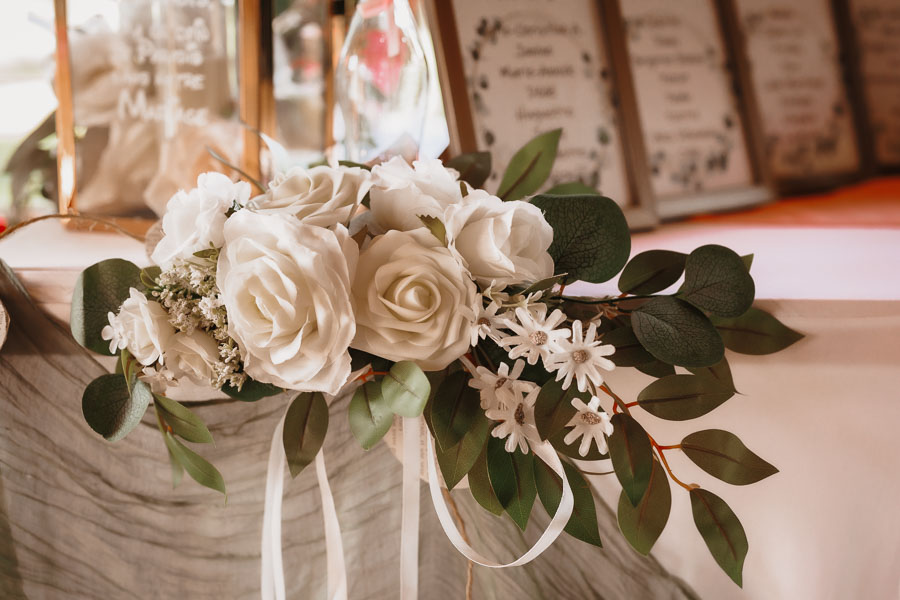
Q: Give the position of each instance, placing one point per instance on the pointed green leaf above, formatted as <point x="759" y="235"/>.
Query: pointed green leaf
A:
<point x="553" y="408"/>
<point x="252" y="391"/>
<point x="656" y="368"/>
<point x="723" y="455"/>
<point x="512" y="479"/>
<point x="474" y="167"/>
<point x="544" y="284"/>
<point x="632" y="456"/>
<point x="748" y="260"/>
<point x="682" y="397"/>
<point x="99" y="290"/>
<point x="459" y="460"/>
<point x="530" y="167"/>
<point x="582" y="524"/>
<point x="721" y="372"/>
<point x="182" y="421"/>
<point x="177" y="469"/>
<point x="480" y="485"/>
<point x="642" y="524"/>
<point x="350" y="163"/>
<point x="722" y="531"/>
<point x="196" y="466"/>
<point x="369" y="414"/>
<point x="677" y="333"/>
<point x="406" y="388"/>
<point x="573" y="188"/>
<point x="755" y="332"/>
<point x="591" y="240"/>
<point x="436" y="227"/>
<point x="455" y="408"/>
<point x="717" y="280"/>
<point x="652" y="271"/>
<point x="111" y="409"/>
<point x="629" y="351"/>
<point x="305" y="425"/>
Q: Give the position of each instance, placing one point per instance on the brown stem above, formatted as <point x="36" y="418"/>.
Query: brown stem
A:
<point x="662" y="458"/>
<point x="104" y="222"/>
<point x="620" y="404"/>
<point x="462" y="531"/>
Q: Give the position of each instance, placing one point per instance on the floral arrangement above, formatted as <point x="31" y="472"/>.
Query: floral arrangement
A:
<point x="424" y="295"/>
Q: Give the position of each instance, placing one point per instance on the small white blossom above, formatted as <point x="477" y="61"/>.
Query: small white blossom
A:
<point x="499" y="387"/>
<point x="516" y="418"/>
<point x="581" y="358"/>
<point x="537" y="335"/>
<point x="488" y="323"/>
<point x="590" y="424"/>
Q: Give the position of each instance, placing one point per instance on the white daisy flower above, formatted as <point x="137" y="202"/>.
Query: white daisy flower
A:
<point x="497" y="387"/>
<point x="590" y="424"/>
<point x="488" y="323"/>
<point x="517" y="418"/>
<point x="537" y="335"/>
<point x="580" y="358"/>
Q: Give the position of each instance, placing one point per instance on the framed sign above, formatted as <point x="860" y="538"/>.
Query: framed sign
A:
<point x="700" y="135"/>
<point x="872" y="31"/>
<point x="798" y="81"/>
<point x="511" y="69"/>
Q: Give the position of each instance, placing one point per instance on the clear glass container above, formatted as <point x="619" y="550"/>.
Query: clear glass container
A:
<point x="382" y="83"/>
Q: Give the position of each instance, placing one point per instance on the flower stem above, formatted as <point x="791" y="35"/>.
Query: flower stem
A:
<point x="665" y="463"/>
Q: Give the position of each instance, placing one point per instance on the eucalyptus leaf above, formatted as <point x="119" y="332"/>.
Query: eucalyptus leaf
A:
<point x="652" y="271"/>
<point x="370" y="415"/>
<point x="406" y="388"/>
<point x="454" y="410"/>
<point x="474" y="167"/>
<point x="632" y="456"/>
<point x="642" y="524"/>
<point x="512" y="479"/>
<point x="682" y="397"/>
<point x="717" y="280"/>
<point x="591" y="240"/>
<point x="656" y="368"/>
<point x="582" y="524"/>
<point x="723" y="455"/>
<point x="573" y="188"/>
<point x="182" y="421"/>
<point x="530" y="167"/>
<point x="111" y="409"/>
<point x="677" y="333"/>
<point x="748" y="260"/>
<point x="196" y="466"/>
<point x="480" y="485"/>
<point x="305" y="425"/>
<point x="722" y="531"/>
<point x="629" y="351"/>
<point x="99" y="290"/>
<point x="459" y="460"/>
<point x="755" y="332"/>
<point x="251" y="391"/>
<point x="544" y="284"/>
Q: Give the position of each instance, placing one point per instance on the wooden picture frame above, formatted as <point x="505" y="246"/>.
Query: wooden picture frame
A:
<point x="810" y="120"/>
<point x="457" y="85"/>
<point x="701" y="158"/>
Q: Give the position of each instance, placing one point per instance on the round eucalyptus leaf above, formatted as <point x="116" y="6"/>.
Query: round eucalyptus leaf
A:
<point x="717" y="280"/>
<point x="110" y="409"/>
<point x="677" y="333"/>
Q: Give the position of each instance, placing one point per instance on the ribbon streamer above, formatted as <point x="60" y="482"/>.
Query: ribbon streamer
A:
<point x="409" y="515"/>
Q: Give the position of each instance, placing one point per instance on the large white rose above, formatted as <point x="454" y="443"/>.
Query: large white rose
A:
<point x="501" y="242"/>
<point x="413" y="300"/>
<point x="142" y="327"/>
<point x="192" y="355"/>
<point x="286" y="288"/>
<point x="194" y="220"/>
<point x="400" y="193"/>
<point x="322" y="196"/>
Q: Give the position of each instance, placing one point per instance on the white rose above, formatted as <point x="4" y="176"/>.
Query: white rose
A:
<point x="286" y="288"/>
<point x="501" y="242"/>
<point x="192" y="355"/>
<point x="400" y="193"/>
<point x="322" y="196"/>
<point x="413" y="300"/>
<point x="194" y="220"/>
<point x="142" y="327"/>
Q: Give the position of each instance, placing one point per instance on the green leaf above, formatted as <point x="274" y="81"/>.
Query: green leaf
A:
<point x="544" y="284"/>
<point x="455" y="408"/>
<point x="177" y="469"/>
<point x="720" y="372"/>
<point x="436" y="227"/>
<point x="717" y="280"/>
<point x="656" y="368"/>
<point x="196" y="466"/>
<point x="350" y="163"/>
<point x="755" y="332"/>
<point x="722" y="531"/>
<point x="724" y="455"/>
<point x="512" y="479"/>
<point x="474" y="167"/>
<point x="632" y="456"/>
<point x="110" y="409"/>
<point x="459" y="460"/>
<point x="251" y="391"/>
<point x="369" y="414"/>
<point x="572" y="188"/>
<point x="582" y="524"/>
<point x="304" y="430"/>
<point x="591" y="241"/>
<point x="677" y="333"/>
<point x="553" y="408"/>
<point x="748" y="260"/>
<point x="530" y="167"/>
<point x="642" y="524"/>
<point x="480" y="485"/>
<point x="99" y="290"/>
<point x="149" y="275"/>
<point x="182" y="421"/>
<point x="629" y="351"/>
<point x="652" y="271"/>
<point x="406" y="389"/>
<point x="682" y="397"/>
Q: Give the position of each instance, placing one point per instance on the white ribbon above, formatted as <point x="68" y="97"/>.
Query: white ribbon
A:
<point x="545" y="452"/>
<point x="409" y="512"/>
